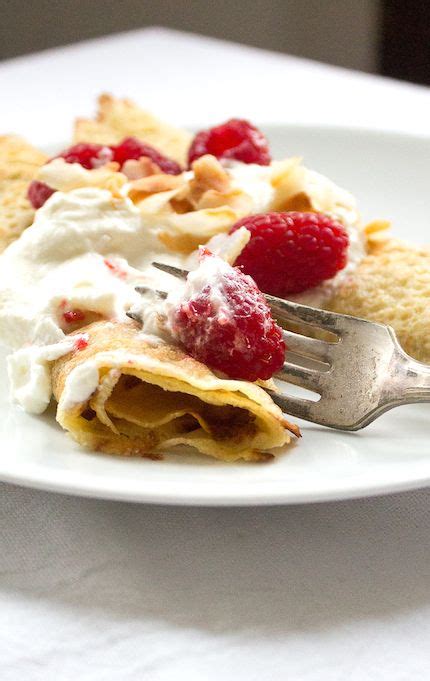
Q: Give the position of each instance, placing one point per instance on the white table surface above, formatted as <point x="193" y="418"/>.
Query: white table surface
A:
<point x="112" y="591"/>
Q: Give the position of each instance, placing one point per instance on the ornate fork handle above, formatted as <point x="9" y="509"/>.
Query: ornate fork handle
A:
<point x="406" y="382"/>
<point x="409" y="381"/>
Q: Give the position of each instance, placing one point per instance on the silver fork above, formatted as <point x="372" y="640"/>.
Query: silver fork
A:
<point x="359" y="376"/>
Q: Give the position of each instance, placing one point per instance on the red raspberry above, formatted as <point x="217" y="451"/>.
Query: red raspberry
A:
<point x="291" y="252"/>
<point x="92" y="156"/>
<point x="81" y="342"/>
<point x="132" y="148"/>
<point x="224" y="321"/>
<point x="38" y="193"/>
<point x="89" y="156"/>
<point x="236" y="139"/>
<point x="74" y="316"/>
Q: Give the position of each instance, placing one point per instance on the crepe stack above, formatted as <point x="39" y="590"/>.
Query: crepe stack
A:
<point x="151" y="396"/>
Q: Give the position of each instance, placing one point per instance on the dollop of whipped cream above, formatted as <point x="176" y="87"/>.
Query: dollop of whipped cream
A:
<point x="80" y="384"/>
<point x="30" y="375"/>
<point x="63" y="261"/>
<point x="78" y="262"/>
<point x="209" y="275"/>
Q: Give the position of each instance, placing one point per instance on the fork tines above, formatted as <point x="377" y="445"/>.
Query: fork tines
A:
<point x="147" y="289"/>
<point x="284" y="310"/>
<point x="170" y="269"/>
<point x="288" y="310"/>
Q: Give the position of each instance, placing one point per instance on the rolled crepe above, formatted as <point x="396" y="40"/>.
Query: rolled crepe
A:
<point x="129" y="394"/>
<point x="391" y="285"/>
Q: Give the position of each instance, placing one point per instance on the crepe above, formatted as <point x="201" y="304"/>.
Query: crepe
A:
<point x="391" y="285"/>
<point x="149" y="396"/>
<point x="19" y="162"/>
<point x="119" y="118"/>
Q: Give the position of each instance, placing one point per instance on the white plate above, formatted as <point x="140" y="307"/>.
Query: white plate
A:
<point x="389" y="173"/>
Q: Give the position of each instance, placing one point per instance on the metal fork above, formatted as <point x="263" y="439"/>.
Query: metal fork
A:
<point x="359" y="376"/>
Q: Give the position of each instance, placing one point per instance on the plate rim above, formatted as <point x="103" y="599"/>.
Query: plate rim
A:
<point x="236" y="499"/>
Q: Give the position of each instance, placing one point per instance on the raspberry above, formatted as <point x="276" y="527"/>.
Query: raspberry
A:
<point x="223" y="320"/>
<point x="89" y="156"/>
<point x="132" y="148"/>
<point x="291" y="252"/>
<point x="92" y="156"/>
<point x="236" y="139"/>
<point x="38" y="193"/>
<point x="81" y="342"/>
<point x="74" y="316"/>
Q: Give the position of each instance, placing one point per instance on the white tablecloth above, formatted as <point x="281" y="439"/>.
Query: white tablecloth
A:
<point x="102" y="590"/>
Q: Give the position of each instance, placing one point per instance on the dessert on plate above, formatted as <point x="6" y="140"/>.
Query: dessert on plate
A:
<point x="139" y="362"/>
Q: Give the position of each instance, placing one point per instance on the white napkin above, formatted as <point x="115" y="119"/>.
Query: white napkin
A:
<point x="100" y="590"/>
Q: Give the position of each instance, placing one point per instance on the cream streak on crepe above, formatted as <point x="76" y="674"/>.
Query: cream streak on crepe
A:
<point x="29" y="371"/>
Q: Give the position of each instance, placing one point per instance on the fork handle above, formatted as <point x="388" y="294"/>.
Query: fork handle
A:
<point x="410" y="382"/>
<point x="407" y="382"/>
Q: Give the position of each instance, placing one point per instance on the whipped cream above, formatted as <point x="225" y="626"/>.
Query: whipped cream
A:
<point x="157" y="313"/>
<point x="85" y="252"/>
<point x="30" y="375"/>
<point x="64" y="260"/>
<point x="80" y="384"/>
<point x="210" y="275"/>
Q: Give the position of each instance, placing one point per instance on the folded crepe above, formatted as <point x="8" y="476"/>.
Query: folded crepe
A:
<point x="119" y="118"/>
<point x="126" y="393"/>
<point x="391" y="285"/>
<point x="19" y="162"/>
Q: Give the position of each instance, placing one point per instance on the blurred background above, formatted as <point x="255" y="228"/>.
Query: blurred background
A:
<point x="391" y="37"/>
